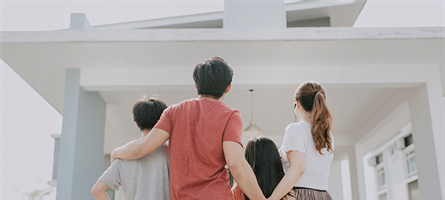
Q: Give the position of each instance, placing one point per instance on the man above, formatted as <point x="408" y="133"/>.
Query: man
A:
<point x="144" y="178"/>
<point x="204" y="135"/>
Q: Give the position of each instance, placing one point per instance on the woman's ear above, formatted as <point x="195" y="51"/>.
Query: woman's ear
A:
<point x="297" y="104"/>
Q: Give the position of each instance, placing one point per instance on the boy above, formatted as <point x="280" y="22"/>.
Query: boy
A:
<point x="204" y="135"/>
<point x="144" y="178"/>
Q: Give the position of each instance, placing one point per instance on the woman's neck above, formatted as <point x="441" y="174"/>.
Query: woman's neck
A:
<point x="305" y="116"/>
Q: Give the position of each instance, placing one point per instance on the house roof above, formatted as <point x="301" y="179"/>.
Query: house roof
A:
<point x="340" y="14"/>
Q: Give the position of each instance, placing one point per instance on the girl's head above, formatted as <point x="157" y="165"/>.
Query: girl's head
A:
<point x="311" y="97"/>
<point x="262" y="155"/>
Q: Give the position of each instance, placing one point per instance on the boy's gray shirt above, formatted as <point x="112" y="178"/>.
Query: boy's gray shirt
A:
<point x="144" y="178"/>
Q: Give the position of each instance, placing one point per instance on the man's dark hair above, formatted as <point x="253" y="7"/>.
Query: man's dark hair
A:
<point x="147" y="111"/>
<point x="212" y="77"/>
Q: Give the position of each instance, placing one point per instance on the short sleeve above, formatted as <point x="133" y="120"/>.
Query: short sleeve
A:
<point x="165" y="123"/>
<point x="111" y="176"/>
<point x="295" y="139"/>
<point x="234" y="128"/>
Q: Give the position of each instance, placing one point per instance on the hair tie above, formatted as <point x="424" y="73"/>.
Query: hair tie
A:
<point x="315" y="93"/>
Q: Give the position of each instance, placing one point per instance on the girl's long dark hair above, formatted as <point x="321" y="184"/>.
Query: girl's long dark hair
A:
<point x="312" y="98"/>
<point x="262" y="155"/>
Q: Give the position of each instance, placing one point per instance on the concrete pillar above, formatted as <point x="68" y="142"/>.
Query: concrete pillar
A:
<point x="335" y="181"/>
<point x="355" y="156"/>
<point x="241" y="14"/>
<point x="79" y="21"/>
<point x="426" y="110"/>
<point x="82" y="140"/>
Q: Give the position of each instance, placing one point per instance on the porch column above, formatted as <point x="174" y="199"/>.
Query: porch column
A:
<point x="82" y="140"/>
<point x="335" y="180"/>
<point x="426" y="110"/>
<point x="356" y="169"/>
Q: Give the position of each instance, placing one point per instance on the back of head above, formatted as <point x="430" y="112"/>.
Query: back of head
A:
<point x="212" y="77"/>
<point x="147" y="111"/>
<point x="312" y="98"/>
<point x="262" y="155"/>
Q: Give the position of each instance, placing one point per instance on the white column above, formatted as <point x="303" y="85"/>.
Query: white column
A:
<point x="355" y="156"/>
<point x="426" y="110"/>
<point x="335" y="180"/>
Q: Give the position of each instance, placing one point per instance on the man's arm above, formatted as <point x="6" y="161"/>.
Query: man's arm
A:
<point x="142" y="147"/>
<point x="241" y="170"/>
<point x="297" y="166"/>
<point x="99" y="190"/>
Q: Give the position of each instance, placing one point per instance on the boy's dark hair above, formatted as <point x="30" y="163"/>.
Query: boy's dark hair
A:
<point x="147" y="111"/>
<point x="212" y="77"/>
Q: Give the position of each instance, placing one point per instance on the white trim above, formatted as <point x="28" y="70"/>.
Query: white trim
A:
<point x="408" y="148"/>
<point x="56" y="135"/>
<point x="52" y="183"/>
<point x="411" y="179"/>
<point x="384" y="191"/>
<point x="215" y="35"/>
<point x="167" y="21"/>
<point x="393" y="156"/>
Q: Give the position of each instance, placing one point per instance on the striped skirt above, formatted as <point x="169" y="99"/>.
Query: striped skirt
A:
<point x="310" y="194"/>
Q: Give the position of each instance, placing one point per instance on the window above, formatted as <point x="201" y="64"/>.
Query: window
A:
<point x="381" y="178"/>
<point x="413" y="189"/>
<point x="408" y="140"/>
<point x="411" y="164"/>
<point x="383" y="197"/>
<point x="379" y="159"/>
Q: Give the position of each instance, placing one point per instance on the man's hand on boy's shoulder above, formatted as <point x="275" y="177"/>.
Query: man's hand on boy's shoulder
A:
<point x="114" y="154"/>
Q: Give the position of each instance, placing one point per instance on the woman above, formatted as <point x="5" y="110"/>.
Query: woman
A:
<point x="262" y="155"/>
<point x="308" y="146"/>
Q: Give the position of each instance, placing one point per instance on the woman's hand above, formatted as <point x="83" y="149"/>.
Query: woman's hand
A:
<point x="297" y="161"/>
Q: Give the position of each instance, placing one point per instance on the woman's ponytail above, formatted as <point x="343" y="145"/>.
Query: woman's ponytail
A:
<point x="321" y="123"/>
<point x="312" y="98"/>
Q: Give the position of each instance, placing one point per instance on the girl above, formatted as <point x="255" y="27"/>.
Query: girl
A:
<point x="262" y="155"/>
<point x="308" y="146"/>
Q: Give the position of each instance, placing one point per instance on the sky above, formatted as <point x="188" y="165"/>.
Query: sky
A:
<point x="27" y="120"/>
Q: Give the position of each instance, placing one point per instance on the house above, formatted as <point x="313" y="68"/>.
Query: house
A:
<point x="383" y="85"/>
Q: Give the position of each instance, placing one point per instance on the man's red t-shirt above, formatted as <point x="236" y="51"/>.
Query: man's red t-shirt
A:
<point x="198" y="128"/>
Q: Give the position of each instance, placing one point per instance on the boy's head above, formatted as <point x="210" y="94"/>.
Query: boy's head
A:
<point x="147" y="111"/>
<point x="212" y="77"/>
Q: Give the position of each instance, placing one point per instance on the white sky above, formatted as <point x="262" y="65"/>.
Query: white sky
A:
<point x="27" y="120"/>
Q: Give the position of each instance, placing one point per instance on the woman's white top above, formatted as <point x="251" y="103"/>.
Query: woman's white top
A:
<point x="298" y="137"/>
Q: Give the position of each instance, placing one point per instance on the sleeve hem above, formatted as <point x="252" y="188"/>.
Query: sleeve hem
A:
<point x="162" y="128"/>
<point x="109" y="184"/>
<point x="287" y="149"/>
<point x="230" y="140"/>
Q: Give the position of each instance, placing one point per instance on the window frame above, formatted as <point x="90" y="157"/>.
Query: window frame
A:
<point x="379" y="170"/>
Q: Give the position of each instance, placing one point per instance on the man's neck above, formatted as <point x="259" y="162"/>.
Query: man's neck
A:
<point x="145" y="132"/>
<point x="210" y="98"/>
